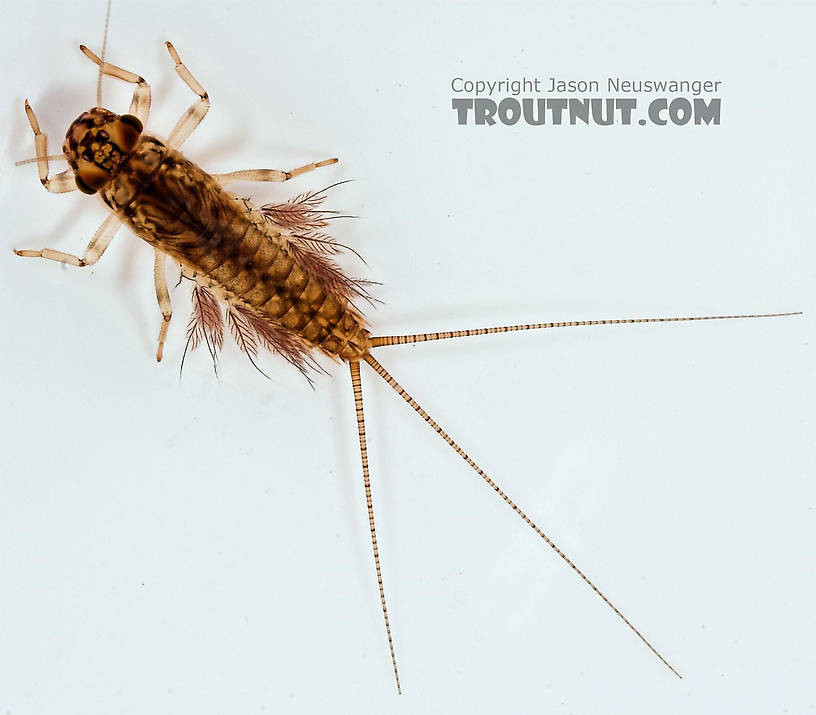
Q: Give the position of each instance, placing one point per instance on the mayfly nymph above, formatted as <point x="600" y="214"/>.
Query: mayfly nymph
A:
<point x="265" y="273"/>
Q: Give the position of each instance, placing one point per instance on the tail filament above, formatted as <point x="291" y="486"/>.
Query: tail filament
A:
<point x="354" y="367"/>
<point x="424" y="337"/>
<point x="383" y="373"/>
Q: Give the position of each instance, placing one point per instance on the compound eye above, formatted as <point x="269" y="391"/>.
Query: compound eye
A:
<point x="132" y="121"/>
<point x="82" y="186"/>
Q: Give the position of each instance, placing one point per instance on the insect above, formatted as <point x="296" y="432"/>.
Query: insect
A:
<point x="263" y="274"/>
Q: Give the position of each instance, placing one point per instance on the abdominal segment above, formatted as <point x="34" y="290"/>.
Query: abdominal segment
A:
<point x="237" y="251"/>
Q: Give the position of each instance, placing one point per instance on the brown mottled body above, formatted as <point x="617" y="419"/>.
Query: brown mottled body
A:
<point x="246" y="258"/>
<point x="269" y="264"/>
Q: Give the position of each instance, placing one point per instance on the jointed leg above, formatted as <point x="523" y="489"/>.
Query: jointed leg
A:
<point x="140" y="104"/>
<point x="271" y="174"/>
<point x="96" y="247"/>
<point x="198" y="110"/>
<point x="163" y="296"/>
<point x="424" y="337"/>
<point x="354" y="367"/>
<point x="60" y="183"/>
<point x="193" y="116"/>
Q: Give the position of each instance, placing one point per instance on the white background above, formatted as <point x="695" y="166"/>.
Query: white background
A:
<point x="201" y="546"/>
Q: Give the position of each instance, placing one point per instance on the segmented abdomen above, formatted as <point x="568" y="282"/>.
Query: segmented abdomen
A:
<point x="181" y="210"/>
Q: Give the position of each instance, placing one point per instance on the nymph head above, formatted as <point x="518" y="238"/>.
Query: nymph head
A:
<point x="96" y="145"/>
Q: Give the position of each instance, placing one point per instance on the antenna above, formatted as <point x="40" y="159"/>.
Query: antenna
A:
<point x="102" y="62"/>
<point x="39" y="158"/>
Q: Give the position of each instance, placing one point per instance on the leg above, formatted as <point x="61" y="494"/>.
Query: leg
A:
<point x="270" y="174"/>
<point x="60" y="183"/>
<point x="424" y="337"/>
<point x="163" y="296"/>
<point x="96" y="247"/>
<point x="193" y="116"/>
<point x="140" y="104"/>
<point x="354" y="367"/>
<point x="383" y="373"/>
